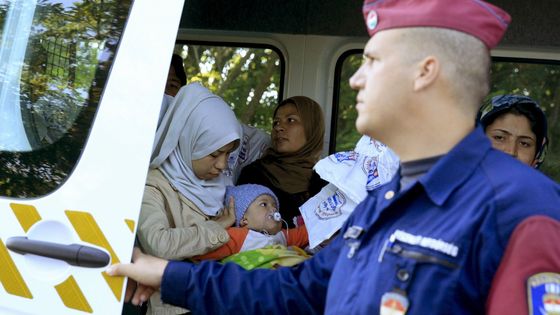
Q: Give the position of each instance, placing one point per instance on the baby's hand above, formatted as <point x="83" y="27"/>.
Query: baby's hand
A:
<point x="227" y="218"/>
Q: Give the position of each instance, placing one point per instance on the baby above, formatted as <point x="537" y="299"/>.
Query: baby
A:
<point x="258" y="223"/>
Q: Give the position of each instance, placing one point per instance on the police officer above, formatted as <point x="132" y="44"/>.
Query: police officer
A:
<point x="429" y="241"/>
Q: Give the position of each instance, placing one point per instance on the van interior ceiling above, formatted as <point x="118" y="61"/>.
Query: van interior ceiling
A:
<point x="533" y="24"/>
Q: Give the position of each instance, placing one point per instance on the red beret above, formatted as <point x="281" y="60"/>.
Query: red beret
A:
<point x="474" y="17"/>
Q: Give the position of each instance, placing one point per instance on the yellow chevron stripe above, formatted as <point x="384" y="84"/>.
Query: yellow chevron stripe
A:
<point x="27" y="215"/>
<point x="9" y="275"/>
<point x="88" y="230"/>
<point x="130" y="224"/>
<point x="72" y="296"/>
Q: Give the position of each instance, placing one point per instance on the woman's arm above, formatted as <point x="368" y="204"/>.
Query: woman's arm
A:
<point x="236" y="238"/>
<point x="160" y="236"/>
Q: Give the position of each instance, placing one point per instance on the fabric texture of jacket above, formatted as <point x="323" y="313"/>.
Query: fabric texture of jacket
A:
<point x="531" y="264"/>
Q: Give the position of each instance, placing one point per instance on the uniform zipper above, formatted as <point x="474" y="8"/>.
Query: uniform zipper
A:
<point x="420" y="257"/>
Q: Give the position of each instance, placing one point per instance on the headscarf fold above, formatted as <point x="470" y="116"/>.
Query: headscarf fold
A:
<point x="291" y="172"/>
<point x="196" y="124"/>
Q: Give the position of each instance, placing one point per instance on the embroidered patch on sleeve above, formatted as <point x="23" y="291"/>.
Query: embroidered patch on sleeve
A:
<point x="543" y="293"/>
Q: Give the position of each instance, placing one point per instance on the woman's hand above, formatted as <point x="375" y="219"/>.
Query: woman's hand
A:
<point x="227" y="217"/>
<point x="145" y="270"/>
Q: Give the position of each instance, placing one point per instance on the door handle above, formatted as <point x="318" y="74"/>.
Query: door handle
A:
<point x="73" y="254"/>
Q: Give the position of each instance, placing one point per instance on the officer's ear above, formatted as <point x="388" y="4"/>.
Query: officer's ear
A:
<point x="426" y="73"/>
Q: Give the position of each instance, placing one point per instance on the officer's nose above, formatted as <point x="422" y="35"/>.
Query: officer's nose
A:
<point x="357" y="79"/>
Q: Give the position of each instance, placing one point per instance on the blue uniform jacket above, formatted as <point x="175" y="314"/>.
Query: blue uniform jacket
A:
<point x="432" y="248"/>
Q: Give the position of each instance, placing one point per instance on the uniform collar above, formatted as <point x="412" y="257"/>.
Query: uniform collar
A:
<point x="455" y="167"/>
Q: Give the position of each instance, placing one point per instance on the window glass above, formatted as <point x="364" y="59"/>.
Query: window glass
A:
<point x="343" y="124"/>
<point x="540" y="80"/>
<point x="54" y="60"/>
<point x="250" y="79"/>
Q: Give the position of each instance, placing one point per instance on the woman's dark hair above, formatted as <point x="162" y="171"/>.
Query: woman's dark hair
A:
<point x="177" y="64"/>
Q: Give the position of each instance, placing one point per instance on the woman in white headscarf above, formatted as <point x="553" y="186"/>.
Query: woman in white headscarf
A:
<point x="183" y="199"/>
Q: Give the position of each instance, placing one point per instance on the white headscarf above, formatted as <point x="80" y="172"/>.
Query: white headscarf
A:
<point x="196" y="124"/>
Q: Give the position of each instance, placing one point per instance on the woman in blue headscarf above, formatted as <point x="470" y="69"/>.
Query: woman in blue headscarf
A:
<point x="517" y="126"/>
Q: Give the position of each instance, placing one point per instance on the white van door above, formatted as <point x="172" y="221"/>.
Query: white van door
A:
<point x="81" y="84"/>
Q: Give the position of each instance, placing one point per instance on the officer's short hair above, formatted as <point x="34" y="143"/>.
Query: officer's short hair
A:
<point x="465" y="61"/>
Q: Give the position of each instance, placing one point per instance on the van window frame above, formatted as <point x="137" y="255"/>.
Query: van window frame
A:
<point x="336" y="95"/>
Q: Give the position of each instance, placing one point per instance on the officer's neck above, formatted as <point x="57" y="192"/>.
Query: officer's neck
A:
<point x="433" y="132"/>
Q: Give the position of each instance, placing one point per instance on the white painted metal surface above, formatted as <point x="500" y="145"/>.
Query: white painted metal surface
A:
<point x="108" y="181"/>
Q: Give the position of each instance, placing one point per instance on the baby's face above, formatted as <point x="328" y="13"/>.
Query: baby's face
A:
<point x="258" y="216"/>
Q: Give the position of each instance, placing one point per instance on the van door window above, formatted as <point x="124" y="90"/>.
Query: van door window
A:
<point x="55" y="57"/>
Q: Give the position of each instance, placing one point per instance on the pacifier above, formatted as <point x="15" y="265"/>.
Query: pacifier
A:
<point x="276" y="216"/>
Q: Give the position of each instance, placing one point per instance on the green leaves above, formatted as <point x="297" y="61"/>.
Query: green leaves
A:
<point x="246" y="78"/>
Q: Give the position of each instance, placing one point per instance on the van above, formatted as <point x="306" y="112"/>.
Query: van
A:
<point x="80" y="94"/>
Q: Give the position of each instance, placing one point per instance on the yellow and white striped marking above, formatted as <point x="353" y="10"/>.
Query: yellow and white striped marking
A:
<point x="89" y="231"/>
<point x="27" y="215"/>
<point x="72" y="296"/>
<point x="69" y="291"/>
<point x="130" y="224"/>
<point x="10" y="277"/>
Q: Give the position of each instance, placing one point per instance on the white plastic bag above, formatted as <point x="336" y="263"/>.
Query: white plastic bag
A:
<point x="351" y="174"/>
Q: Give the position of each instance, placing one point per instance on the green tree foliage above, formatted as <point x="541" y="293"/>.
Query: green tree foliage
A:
<point x="246" y="78"/>
<point x="346" y="134"/>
